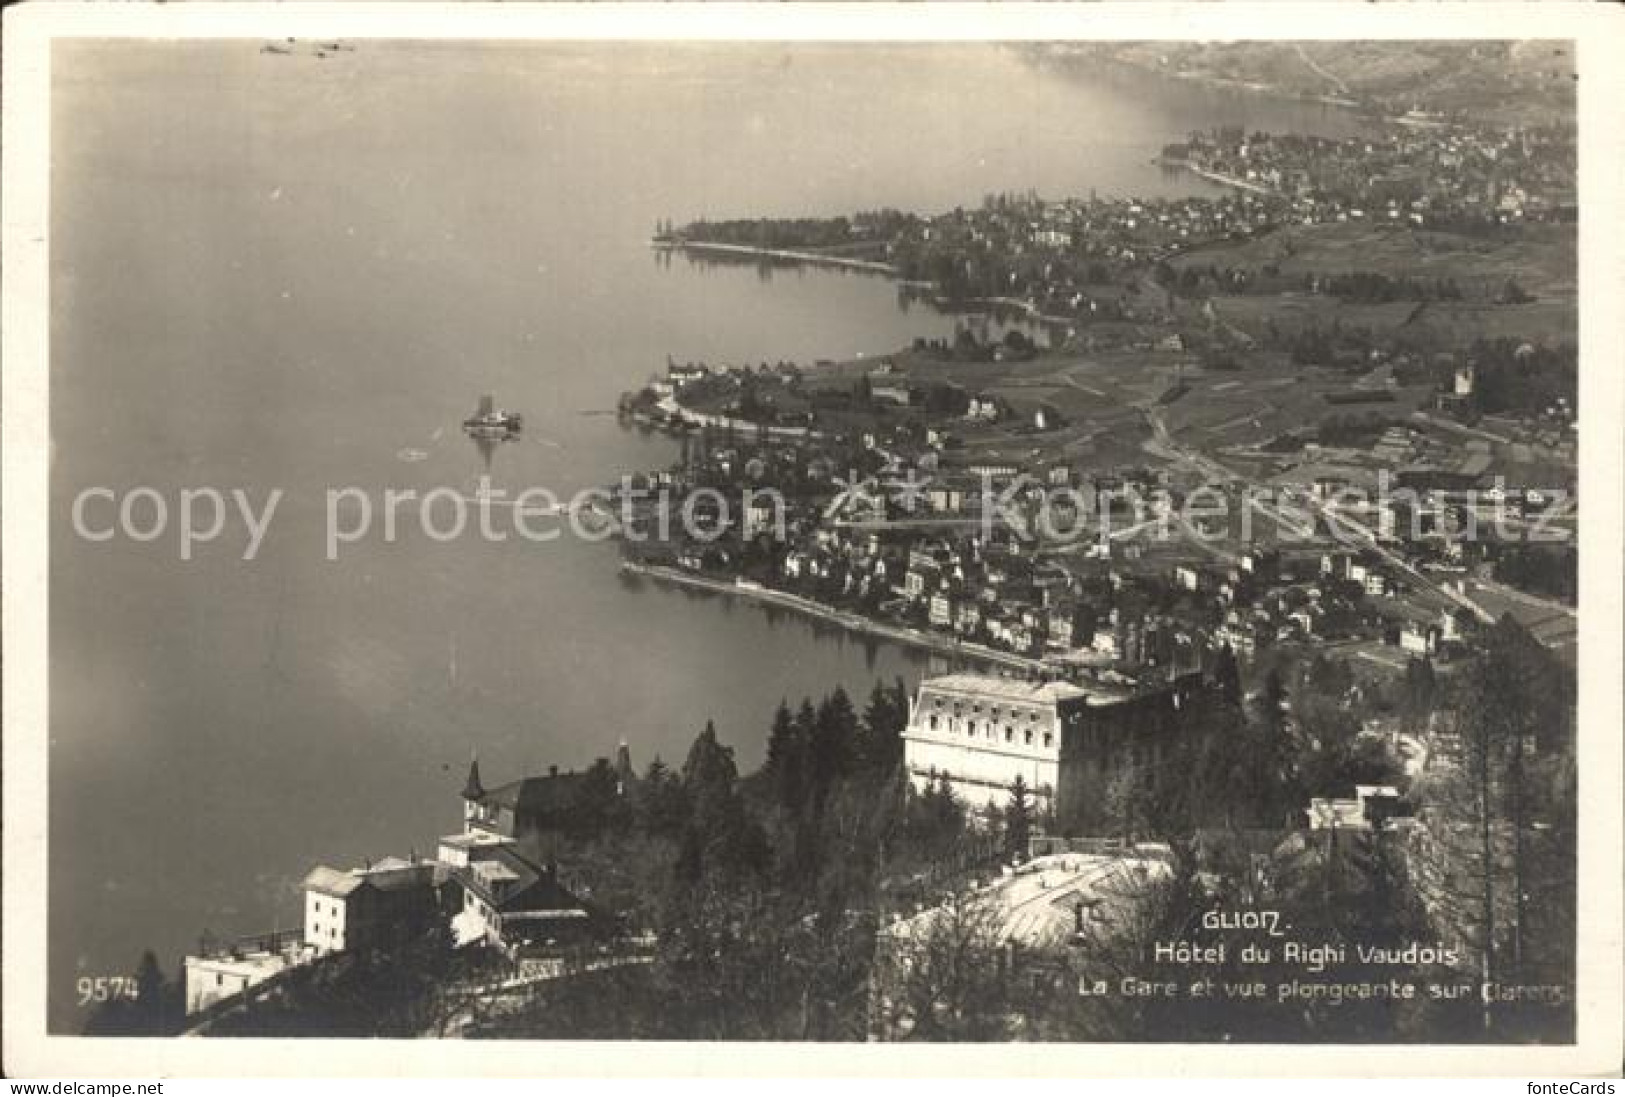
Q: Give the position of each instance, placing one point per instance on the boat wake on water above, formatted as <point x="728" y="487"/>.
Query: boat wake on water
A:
<point x="517" y="505"/>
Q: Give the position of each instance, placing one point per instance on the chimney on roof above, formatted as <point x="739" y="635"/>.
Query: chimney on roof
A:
<point x="552" y="771"/>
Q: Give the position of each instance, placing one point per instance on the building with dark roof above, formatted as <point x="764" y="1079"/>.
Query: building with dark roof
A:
<point x="511" y="898"/>
<point x="532" y="807"/>
<point x="492" y="878"/>
<point x="523" y="807"/>
<point x="512" y="903"/>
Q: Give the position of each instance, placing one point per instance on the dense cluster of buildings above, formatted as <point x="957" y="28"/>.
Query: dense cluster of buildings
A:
<point x="1113" y="609"/>
<point x="1065" y="259"/>
<point x="1087" y="569"/>
<point x="1419" y="175"/>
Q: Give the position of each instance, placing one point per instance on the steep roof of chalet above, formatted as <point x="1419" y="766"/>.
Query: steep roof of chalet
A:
<point x="390" y="874"/>
<point x="531" y="797"/>
<point x="335" y="882"/>
<point x="535" y="888"/>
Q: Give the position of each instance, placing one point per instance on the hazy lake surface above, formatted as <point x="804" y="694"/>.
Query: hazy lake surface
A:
<point x="296" y="273"/>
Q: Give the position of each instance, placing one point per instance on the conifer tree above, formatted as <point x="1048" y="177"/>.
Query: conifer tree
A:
<point x="881" y="735"/>
<point x="726" y="839"/>
<point x="831" y="749"/>
<point x="1499" y="811"/>
<point x="784" y="751"/>
<point x="1018" y="819"/>
<point x="659" y="807"/>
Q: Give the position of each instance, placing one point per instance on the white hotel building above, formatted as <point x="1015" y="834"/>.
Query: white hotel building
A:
<point x="980" y="733"/>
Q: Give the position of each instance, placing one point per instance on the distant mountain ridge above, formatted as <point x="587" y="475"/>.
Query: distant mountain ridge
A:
<point x="1498" y="82"/>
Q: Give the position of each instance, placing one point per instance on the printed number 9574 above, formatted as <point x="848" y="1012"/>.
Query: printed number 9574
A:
<point x="106" y="988"/>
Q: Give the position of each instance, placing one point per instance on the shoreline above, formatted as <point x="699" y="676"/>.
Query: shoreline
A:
<point x="1217" y="177"/>
<point x="870" y="266"/>
<point x="814" y="258"/>
<point x="1261" y="88"/>
<point x="686" y="417"/>
<point x="844" y="619"/>
<point x="680" y="420"/>
<point x="1362" y="110"/>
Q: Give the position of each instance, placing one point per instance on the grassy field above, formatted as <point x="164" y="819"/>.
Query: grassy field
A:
<point x="1542" y="258"/>
<point x="1431" y="327"/>
<point x="1292" y="312"/>
<point x="1251" y="406"/>
<point x="1458" y="324"/>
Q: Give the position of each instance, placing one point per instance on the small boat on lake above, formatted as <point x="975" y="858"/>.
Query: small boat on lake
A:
<point x="491" y="421"/>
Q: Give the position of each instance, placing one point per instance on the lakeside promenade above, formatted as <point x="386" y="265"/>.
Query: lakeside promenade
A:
<point x="1216" y="177"/>
<point x="701" y="247"/>
<point x="677" y="415"/>
<point x="870" y="266"/>
<point x="852" y="622"/>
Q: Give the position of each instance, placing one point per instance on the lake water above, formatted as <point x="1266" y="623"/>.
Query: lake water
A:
<point x="288" y="272"/>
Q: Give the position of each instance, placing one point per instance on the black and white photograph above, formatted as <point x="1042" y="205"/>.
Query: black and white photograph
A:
<point x="532" y="533"/>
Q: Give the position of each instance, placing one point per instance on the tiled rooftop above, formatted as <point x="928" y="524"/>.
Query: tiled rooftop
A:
<point x="1006" y="689"/>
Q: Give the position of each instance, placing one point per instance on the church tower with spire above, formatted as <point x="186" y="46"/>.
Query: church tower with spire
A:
<point x="473" y="793"/>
